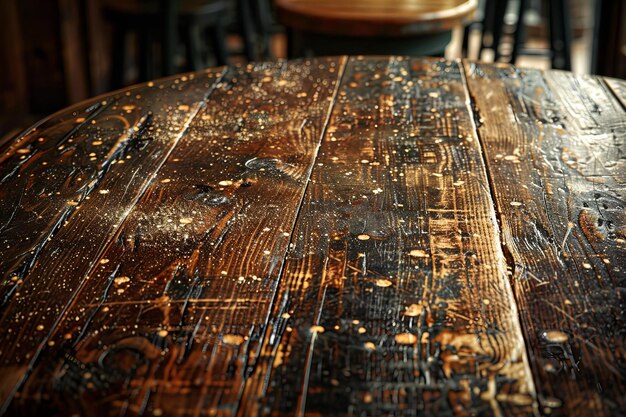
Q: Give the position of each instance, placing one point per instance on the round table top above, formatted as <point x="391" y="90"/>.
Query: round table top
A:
<point x="338" y="236"/>
<point x="375" y="17"/>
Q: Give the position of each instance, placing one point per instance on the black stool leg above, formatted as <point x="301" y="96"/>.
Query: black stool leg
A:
<point x="293" y="44"/>
<point x="247" y="29"/>
<point x="520" y="31"/>
<point x="560" y="34"/>
<point x="118" y="65"/>
<point x="263" y="13"/>
<point x="567" y="35"/>
<point x="146" y="56"/>
<point x="467" y="30"/>
<point x="218" y="40"/>
<point x="168" y="19"/>
<point x="193" y="47"/>
<point x="487" y="25"/>
<point x="499" y="12"/>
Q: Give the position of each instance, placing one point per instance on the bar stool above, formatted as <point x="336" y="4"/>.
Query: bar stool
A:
<point x="158" y="22"/>
<point x="559" y="25"/>
<point x="254" y="23"/>
<point x="332" y="27"/>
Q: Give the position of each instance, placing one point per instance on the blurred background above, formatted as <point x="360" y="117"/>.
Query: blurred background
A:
<point x="57" y="52"/>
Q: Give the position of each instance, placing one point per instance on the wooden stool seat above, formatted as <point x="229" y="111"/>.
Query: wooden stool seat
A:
<point x="372" y="26"/>
<point x="374" y="17"/>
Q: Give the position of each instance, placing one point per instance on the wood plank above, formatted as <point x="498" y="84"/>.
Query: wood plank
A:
<point x="65" y="189"/>
<point x="554" y="145"/>
<point x="173" y="315"/>
<point x="394" y="299"/>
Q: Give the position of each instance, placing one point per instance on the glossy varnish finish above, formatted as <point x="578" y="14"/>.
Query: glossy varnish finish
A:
<point x="342" y="236"/>
<point x="554" y="145"/>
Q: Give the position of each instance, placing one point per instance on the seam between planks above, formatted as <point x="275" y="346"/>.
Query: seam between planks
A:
<point x="495" y="214"/>
<point x="281" y="271"/>
<point x="611" y="90"/>
<point x="4" y="407"/>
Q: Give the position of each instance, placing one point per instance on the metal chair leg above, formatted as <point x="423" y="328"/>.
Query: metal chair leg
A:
<point x="146" y="56"/>
<point x="193" y="50"/>
<point x="118" y="65"/>
<point x="520" y="31"/>
<point x="169" y="20"/>
<point x="218" y="39"/>
<point x="247" y="29"/>
<point x="560" y="34"/>
<point x="567" y="34"/>
<point x="499" y="12"/>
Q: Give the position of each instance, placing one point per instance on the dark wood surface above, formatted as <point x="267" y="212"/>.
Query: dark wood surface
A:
<point x="342" y="236"/>
<point x="375" y="17"/>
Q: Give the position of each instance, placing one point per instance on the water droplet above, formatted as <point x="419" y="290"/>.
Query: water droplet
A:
<point x="185" y="220"/>
<point x="516" y="203"/>
<point x="162" y="333"/>
<point x="383" y="283"/>
<point x="413" y="310"/>
<point x="369" y="346"/>
<point x="233" y="339"/>
<point x="225" y="183"/>
<point x="418" y="253"/>
<point x="121" y="280"/>
<point x="405" y="339"/>
<point x="555" y="336"/>
<point x="363" y="237"/>
<point x="552" y="402"/>
<point x="317" y="329"/>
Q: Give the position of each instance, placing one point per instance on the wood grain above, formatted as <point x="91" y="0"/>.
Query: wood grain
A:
<point x="175" y="309"/>
<point x="62" y="203"/>
<point x="554" y="145"/>
<point x="377" y="236"/>
<point x="394" y="298"/>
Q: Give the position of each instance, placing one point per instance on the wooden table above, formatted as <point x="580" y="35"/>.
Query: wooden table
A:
<point x="333" y="237"/>
<point x="372" y="26"/>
